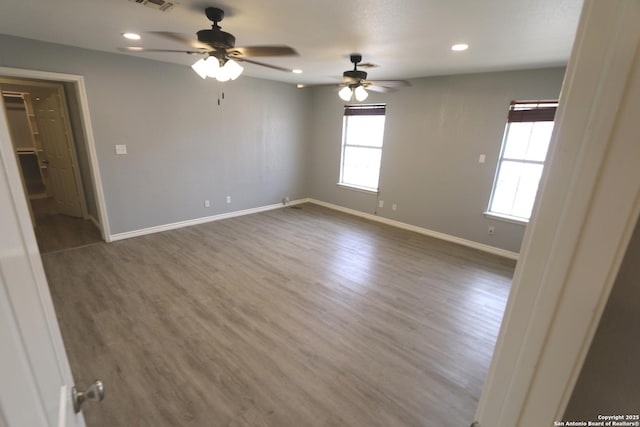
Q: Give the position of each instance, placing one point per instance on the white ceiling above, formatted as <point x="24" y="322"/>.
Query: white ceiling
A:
<point x="406" y="38"/>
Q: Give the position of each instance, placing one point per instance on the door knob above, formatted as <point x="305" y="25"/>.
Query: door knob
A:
<point x="94" y="393"/>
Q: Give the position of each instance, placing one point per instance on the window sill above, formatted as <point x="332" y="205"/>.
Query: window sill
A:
<point x="507" y="218"/>
<point x="356" y="188"/>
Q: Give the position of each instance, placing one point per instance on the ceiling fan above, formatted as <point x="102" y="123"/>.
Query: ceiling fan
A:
<point x="223" y="56"/>
<point x="355" y="83"/>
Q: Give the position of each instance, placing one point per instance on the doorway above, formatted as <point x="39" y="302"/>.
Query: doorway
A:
<point x="51" y="152"/>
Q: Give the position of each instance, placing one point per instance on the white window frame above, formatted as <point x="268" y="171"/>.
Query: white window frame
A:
<point x="359" y="110"/>
<point x="539" y="112"/>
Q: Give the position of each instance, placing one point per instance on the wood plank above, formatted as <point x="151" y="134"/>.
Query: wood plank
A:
<point x="292" y="317"/>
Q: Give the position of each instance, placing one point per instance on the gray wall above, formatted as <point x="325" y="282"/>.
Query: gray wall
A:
<point x="435" y="131"/>
<point x="183" y="147"/>
<point x="608" y="383"/>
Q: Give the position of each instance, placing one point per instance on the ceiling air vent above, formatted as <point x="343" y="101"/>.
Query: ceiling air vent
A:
<point x="161" y="5"/>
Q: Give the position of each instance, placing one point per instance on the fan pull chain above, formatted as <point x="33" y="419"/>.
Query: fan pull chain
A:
<point x="220" y="96"/>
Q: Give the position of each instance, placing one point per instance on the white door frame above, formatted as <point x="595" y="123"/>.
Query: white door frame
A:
<point x="58" y="88"/>
<point x="78" y="82"/>
<point x="585" y="214"/>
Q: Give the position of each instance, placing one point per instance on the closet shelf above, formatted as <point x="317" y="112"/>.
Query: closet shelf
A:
<point x="26" y="151"/>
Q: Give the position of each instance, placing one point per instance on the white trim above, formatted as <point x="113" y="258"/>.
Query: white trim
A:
<point x="88" y="131"/>
<point x="357" y="188"/>
<point x="587" y="205"/>
<point x="203" y="220"/>
<point x="506" y="218"/>
<point x="95" y="222"/>
<point x="62" y="409"/>
<point x="425" y="231"/>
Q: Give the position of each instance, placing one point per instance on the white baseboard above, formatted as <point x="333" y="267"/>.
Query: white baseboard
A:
<point x="425" y="231"/>
<point x="190" y="222"/>
<point x="442" y="236"/>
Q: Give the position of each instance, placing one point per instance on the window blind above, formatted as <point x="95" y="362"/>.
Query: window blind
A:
<point x="365" y="110"/>
<point x="532" y="111"/>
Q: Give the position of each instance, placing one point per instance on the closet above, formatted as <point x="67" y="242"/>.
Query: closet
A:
<point x="27" y="143"/>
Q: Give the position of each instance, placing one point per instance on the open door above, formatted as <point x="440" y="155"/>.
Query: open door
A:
<point x="36" y="385"/>
<point x="58" y="153"/>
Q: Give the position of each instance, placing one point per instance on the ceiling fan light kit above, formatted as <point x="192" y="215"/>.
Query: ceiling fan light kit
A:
<point x="206" y="66"/>
<point x="210" y="67"/>
<point x="230" y="71"/>
<point x="360" y="93"/>
<point x="347" y="94"/>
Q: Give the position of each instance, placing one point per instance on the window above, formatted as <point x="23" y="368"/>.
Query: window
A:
<point x="362" y="131"/>
<point x="524" y="149"/>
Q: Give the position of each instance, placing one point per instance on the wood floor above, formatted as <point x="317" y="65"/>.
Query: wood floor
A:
<point x="292" y="317"/>
<point x="55" y="232"/>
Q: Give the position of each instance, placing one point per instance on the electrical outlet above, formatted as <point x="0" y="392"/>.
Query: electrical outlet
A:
<point x="394" y="207"/>
<point x="491" y="230"/>
<point x="285" y="200"/>
<point x="121" y="149"/>
<point x="381" y="203"/>
<point x="228" y="199"/>
<point x="482" y="158"/>
<point x="207" y="203"/>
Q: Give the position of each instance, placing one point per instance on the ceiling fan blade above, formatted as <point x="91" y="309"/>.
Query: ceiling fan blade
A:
<point x="182" y="39"/>
<point x="275" y="67"/>
<point x="389" y="83"/>
<point x="261" y="51"/>
<point x="380" y="89"/>
<point x="141" y="49"/>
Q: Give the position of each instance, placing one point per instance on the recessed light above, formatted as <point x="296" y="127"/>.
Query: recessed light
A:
<point x="135" y="48"/>
<point x="297" y="71"/>
<point x="131" y="36"/>
<point x="460" y="47"/>
<point x="299" y="86"/>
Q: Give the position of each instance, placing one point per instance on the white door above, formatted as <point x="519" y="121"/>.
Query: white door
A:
<point x="56" y="145"/>
<point x="35" y="378"/>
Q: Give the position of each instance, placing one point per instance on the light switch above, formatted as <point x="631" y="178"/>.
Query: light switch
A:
<point x="121" y="149"/>
<point x="482" y="158"/>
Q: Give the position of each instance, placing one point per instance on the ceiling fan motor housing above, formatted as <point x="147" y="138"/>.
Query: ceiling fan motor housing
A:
<point x="354" y="76"/>
<point x="217" y="38"/>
